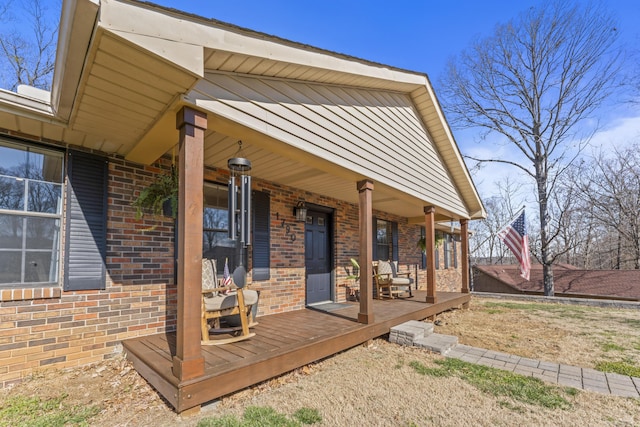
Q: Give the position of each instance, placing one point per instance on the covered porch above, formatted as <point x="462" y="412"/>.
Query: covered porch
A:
<point x="357" y="140"/>
<point x="283" y="342"/>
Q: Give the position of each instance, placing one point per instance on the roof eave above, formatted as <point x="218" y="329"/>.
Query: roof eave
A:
<point x="77" y="24"/>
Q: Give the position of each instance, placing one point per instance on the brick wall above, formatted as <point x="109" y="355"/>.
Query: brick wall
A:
<point x="47" y="327"/>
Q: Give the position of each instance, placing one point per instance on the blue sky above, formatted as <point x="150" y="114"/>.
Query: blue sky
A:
<point x="418" y="35"/>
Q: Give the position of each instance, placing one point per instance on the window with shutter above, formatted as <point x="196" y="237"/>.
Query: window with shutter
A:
<point x="385" y="245"/>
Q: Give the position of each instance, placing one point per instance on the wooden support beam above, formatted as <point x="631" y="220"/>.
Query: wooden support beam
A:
<point x="365" y="190"/>
<point x="464" y="239"/>
<point x="188" y="361"/>
<point x="430" y="240"/>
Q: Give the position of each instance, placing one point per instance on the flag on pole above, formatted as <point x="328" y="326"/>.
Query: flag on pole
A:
<point x="514" y="235"/>
<point x="226" y="277"/>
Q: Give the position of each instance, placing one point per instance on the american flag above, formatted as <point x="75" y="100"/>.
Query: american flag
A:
<point x="514" y="235"/>
<point x="226" y="277"/>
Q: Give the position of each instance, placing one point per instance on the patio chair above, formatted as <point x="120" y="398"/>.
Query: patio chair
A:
<point x="219" y="302"/>
<point x="389" y="283"/>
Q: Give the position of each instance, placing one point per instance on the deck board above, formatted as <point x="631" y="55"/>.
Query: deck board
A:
<point x="283" y="342"/>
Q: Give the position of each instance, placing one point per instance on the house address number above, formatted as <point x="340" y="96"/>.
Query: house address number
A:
<point x="283" y="224"/>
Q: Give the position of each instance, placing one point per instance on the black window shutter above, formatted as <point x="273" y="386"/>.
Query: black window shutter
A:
<point x="446" y="251"/>
<point x="455" y="253"/>
<point x="261" y="236"/>
<point x="437" y="249"/>
<point x="423" y="233"/>
<point x="86" y="215"/>
<point x="394" y="241"/>
<point x="374" y="250"/>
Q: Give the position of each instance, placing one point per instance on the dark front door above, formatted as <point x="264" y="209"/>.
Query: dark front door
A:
<point x="317" y="255"/>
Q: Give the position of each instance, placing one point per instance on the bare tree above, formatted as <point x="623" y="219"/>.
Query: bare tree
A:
<point x="27" y="43"/>
<point x="572" y="219"/>
<point x="533" y="82"/>
<point x="486" y="246"/>
<point x="612" y="187"/>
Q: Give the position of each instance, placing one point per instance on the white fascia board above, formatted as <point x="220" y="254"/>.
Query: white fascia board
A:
<point x="16" y="101"/>
<point x="163" y="24"/>
<point x="189" y="57"/>
<point x="26" y="106"/>
<point x="77" y="25"/>
<point x="476" y="207"/>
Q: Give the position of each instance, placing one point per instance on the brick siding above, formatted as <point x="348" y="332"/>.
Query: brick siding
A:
<point x="47" y="327"/>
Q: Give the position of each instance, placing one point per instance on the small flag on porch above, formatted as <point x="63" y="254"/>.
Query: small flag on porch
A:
<point x="226" y="277"/>
<point x="514" y="235"/>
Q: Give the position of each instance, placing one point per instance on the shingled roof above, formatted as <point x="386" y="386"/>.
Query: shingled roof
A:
<point x="568" y="281"/>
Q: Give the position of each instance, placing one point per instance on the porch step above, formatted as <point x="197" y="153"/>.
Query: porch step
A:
<point x="407" y="333"/>
<point x="437" y="343"/>
<point x="420" y="334"/>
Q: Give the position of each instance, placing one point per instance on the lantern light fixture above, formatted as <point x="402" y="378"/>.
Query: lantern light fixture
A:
<point x="300" y="211"/>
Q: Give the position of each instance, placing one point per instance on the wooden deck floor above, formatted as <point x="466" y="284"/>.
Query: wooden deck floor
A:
<point x="283" y="342"/>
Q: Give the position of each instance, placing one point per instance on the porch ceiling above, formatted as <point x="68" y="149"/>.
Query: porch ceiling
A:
<point x="291" y="167"/>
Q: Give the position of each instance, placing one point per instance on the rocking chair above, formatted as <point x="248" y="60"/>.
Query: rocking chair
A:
<point x="221" y="301"/>
<point x="389" y="282"/>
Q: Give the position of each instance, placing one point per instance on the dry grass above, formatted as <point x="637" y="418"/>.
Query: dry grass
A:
<point x="376" y="386"/>
<point x="570" y="334"/>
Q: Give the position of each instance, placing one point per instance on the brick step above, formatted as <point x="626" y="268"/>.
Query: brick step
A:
<point x="420" y="334"/>
<point x="437" y="343"/>
<point x="407" y="333"/>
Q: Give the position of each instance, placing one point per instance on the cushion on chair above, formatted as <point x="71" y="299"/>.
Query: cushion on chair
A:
<point x="398" y="281"/>
<point x="401" y="281"/>
<point x="394" y="268"/>
<point x="221" y="302"/>
<point x="384" y="267"/>
<point x="209" y="274"/>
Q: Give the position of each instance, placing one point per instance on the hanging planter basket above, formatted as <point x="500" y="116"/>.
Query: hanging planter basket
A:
<point x="422" y="243"/>
<point x="160" y="198"/>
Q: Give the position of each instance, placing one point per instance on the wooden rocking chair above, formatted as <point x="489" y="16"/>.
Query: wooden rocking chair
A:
<point x="220" y="301"/>
<point x="389" y="282"/>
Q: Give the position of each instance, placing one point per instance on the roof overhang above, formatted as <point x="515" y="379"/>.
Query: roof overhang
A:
<point x="124" y="68"/>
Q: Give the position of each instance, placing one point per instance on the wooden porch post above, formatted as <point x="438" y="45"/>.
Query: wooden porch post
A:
<point x="188" y="361"/>
<point x="430" y="240"/>
<point x="464" y="240"/>
<point x="365" y="188"/>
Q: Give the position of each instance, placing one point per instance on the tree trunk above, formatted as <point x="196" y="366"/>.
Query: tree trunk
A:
<point x="545" y="259"/>
<point x="619" y="252"/>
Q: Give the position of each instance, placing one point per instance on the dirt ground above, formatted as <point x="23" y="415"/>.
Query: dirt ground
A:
<point x="375" y="386"/>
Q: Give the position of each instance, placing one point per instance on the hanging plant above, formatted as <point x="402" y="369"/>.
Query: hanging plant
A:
<point x="422" y="242"/>
<point x="160" y="197"/>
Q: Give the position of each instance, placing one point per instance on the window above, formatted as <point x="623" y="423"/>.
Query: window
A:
<point x="383" y="234"/>
<point x="216" y="243"/>
<point x="386" y="240"/>
<point x="31" y="180"/>
<point x="450" y="258"/>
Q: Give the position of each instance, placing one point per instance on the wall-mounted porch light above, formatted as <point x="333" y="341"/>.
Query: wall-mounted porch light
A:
<point x="300" y="211"/>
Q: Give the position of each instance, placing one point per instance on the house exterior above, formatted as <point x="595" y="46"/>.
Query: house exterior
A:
<point x="138" y="90"/>
<point x="569" y="281"/>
